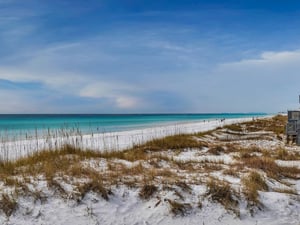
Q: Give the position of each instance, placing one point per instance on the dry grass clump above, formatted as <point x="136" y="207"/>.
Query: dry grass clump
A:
<point x="134" y="154"/>
<point x="76" y="170"/>
<point x="159" y="160"/>
<point x="142" y="152"/>
<point x="290" y="172"/>
<point x="184" y="186"/>
<point x="208" y="167"/>
<point x="96" y="186"/>
<point x="10" y="181"/>
<point x="46" y="162"/>
<point x="283" y="154"/>
<point x="38" y="196"/>
<point x="269" y="166"/>
<point x="221" y="192"/>
<point x="21" y="188"/>
<point x="186" y="166"/>
<point x="234" y="127"/>
<point x="8" y="205"/>
<point x="204" y="133"/>
<point x="251" y="185"/>
<point x="275" y="124"/>
<point x="231" y="172"/>
<point x="56" y="186"/>
<point x="51" y="165"/>
<point x="217" y="150"/>
<point x="178" y="208"/>
<point x="134" y="170"/>
<point x="245" y="153"/>
<point x="265" y="164"/>
<point x="176" y="142"/>
<point x="231" y="147"/>
<point x="255" y="180"/>
<point x="164" y="173"/>
<point x="147" y="191"/>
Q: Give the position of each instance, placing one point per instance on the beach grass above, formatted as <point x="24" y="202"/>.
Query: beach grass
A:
<point x="155" y="166"/>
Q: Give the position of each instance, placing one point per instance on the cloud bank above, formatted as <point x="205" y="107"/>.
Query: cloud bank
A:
<point x="92" y="59"/>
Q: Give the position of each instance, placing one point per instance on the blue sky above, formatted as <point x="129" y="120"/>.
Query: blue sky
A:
<point x="136" y="56"/>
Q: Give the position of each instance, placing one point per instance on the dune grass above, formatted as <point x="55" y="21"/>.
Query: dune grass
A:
<point x="178" y="208"/>
<point x="252" y="183"/>
<point x="147" y="191"/>
<point x="8" y="204"/>
<point x="275" y="124"/>
<point x="221" y="192"/>
<point x="153" y="165"/>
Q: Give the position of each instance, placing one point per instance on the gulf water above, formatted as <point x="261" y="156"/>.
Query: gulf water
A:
<point x="24" y="126"/>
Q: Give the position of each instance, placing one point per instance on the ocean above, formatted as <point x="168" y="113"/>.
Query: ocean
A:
<point x="26" y="126"/>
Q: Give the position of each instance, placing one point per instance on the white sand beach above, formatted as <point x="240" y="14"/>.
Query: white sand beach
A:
<point x="110" y="141"/>
<point x="183" y="195"/>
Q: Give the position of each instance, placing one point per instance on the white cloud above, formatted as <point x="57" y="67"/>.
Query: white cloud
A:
<point x="269" y="82"/>
<point x="269" y="67"/>
<point x="16" y="101"/>
<point x="99" y="89"/>
<point x="125" y="102"/>
<point x="275" y="59"/>
<point x="76" y="84"/>
<point x="115" y="91"/>
<point x="56" y="80"/>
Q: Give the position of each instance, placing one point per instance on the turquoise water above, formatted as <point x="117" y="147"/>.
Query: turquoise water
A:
<point x="28" y="126"/>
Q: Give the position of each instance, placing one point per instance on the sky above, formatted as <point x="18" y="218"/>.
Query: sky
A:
<point x="142" y="56"/>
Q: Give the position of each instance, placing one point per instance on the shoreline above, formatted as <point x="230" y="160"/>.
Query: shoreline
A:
<point x="174" y="180"/>
<point x="47" y="126"/>
<point x="111" y="141"/>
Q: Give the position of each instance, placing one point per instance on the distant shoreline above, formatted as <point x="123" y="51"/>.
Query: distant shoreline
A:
<point x="33" y="126"/>
<point x="110" y="141"/>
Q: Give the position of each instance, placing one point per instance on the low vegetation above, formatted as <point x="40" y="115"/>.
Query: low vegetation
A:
<point x="176" y="164"/>
<point x="147" y="191"/>
<point x="8" y="205"/>
<point x="283" y="154"/>
<point x="221" y="192"/>
<point x="96" y="186"/>
<point x="178" y="208"/>
<point x="252" y="183"/>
